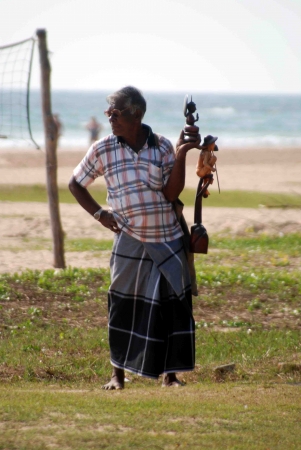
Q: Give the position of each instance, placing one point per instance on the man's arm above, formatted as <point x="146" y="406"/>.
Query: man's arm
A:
<point x="176" y="180"/>
<point x="87" y="202"/>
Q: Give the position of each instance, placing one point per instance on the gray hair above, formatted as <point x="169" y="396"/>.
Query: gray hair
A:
<point x="132" y="97"/>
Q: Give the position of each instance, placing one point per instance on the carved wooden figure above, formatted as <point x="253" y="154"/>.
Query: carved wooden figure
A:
<point x="191" y="131"/>
<point x="206" y="162"/>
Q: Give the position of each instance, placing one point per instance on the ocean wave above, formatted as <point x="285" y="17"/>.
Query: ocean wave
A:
<point x="81" y="141"/>
<point x="219" y="111"/>
<point x="65" y="143"/>
<point x="260" y="141"/>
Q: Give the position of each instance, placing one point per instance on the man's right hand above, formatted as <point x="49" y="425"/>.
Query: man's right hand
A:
<point x="107" y="220"/>
<point x="87" y="202"/>
<point x="185" y="146"/>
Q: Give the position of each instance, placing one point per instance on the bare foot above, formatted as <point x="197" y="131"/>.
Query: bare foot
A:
<point x="170" y="379"/>
<point x="117" y="380"/>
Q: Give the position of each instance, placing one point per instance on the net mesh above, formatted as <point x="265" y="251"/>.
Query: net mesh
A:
<point x="15" y="71"/>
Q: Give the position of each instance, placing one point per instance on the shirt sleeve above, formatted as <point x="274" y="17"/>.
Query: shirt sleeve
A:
<point x="90" y="166"/>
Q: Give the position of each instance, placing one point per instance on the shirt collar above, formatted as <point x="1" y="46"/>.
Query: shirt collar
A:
<point x="151" y="141"/>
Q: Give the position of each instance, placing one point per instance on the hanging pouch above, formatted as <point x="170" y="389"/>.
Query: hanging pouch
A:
<point x="199" y="239"/>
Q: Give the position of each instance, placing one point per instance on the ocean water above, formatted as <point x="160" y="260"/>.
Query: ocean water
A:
<point x="238" y="120"/>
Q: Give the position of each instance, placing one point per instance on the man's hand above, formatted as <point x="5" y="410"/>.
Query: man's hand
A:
<point x="107" y="220"/>
<point x="176" y="181"/>
<point x="184" y="146"/>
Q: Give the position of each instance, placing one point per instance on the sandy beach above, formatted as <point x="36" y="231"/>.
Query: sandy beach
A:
<point x="266" y="170"/>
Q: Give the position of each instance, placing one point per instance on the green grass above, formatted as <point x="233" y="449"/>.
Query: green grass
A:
<point x="244" y="199"/>
<point x="87" y="244"/>
<point x="226" y="416"/>
<point x="231" y="199"/>
<point x="54" y="356"/>
<point x="38" y="193"/>
<point x="288" y="244"/>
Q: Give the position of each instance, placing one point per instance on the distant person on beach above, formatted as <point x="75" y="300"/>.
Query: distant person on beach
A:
<point x="59" y="125"/>
<point x="95" y="128"/>
<point x="151" y="326"/>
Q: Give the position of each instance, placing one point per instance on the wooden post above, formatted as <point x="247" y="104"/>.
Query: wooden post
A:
<point x="51" y="137"/>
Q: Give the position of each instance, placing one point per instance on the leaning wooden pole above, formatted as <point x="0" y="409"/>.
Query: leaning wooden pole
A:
<point x="51" y="137"/>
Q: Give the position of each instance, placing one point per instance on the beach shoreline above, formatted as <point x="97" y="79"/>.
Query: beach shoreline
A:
<point x="249" y="169"/>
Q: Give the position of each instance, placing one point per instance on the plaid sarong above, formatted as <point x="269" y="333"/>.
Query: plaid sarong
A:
<point x="151" y="327"/>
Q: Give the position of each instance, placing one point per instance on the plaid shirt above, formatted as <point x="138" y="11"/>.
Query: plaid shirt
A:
<point x="134" y="185"/>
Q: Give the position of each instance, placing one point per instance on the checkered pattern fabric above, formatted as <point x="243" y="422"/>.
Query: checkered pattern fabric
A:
<point x="151" y="327"/>
<point x="134" y="185"/>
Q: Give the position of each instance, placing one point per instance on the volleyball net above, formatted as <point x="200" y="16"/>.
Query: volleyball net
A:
<point x="15" y="71"/>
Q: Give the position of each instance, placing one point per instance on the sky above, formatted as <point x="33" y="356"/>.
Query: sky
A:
<point x="227" y="46"/>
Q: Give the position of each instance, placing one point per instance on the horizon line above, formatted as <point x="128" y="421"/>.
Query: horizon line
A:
<point x="176" y="91"/>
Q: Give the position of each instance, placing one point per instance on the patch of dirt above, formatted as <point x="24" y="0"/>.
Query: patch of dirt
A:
<point x="231" y="311"/>
<point x="28" y="301"/>
<point x="235" y="311"/>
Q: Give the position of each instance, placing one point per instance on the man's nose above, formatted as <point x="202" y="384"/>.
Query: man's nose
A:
<point x="113" y="118"/>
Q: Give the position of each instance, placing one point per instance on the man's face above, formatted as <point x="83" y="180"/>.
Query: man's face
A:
<point x="121" y="124"/>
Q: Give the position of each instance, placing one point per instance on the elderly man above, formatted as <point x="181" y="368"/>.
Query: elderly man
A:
<point x="151" y="326"/>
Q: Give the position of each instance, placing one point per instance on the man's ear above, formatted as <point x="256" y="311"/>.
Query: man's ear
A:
<point x="138" y="115"/>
